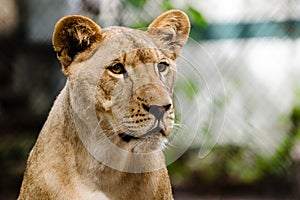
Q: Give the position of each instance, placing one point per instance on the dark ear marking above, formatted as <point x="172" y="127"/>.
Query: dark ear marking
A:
<point x="167" y="37"/>
<point x="72" y="35"/>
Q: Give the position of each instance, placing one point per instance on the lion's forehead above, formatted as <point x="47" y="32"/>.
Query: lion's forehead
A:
<point x="129" y="38"/>
<point x="128" y="46"/>
<point x="136" y="57"/>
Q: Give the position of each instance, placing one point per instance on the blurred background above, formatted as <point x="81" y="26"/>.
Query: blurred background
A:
<point x="237" y="93"/>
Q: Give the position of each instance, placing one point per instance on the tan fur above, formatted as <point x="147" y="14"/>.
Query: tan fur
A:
<point x="80" y="153"/>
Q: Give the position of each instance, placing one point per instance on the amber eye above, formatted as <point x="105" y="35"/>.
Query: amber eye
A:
<point x="117" y="68"/>
<point x="162" y="66"/>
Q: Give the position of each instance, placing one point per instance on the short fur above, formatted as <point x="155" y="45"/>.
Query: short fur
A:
<point x="82" y="151"/>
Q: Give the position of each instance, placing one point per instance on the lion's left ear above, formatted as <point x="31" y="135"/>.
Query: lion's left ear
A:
<point x="73" y="35"/>
<point x="170" y="32"/>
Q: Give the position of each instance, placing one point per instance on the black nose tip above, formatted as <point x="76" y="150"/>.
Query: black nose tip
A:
<point x="157" y="110"/>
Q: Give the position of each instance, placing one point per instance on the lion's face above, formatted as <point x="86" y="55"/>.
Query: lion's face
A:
<point x="139" y="88"/>
<point x="128" y="74"/>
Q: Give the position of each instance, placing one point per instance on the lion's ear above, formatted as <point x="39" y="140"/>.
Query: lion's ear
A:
<point x="170" y="32"/>
<point x="72" y="35"/>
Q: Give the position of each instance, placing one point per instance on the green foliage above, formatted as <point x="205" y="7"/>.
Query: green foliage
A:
<point x="232" y="163"/>
<point x="188" y="87"/>
<point x="179" y="171"/>
<point x="280" y="161"/>
<point x="295" y="117"/>
<point x="198" y="23"/>
<point x="239" y="163"/>
<point x="297" y="95"/>
<point x="196" y="17"/>
<point x="137" y="3"/>
<point x="166" y="5"/>
<point x="226" y="163"/>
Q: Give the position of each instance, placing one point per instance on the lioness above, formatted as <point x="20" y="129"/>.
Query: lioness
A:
<point x="105" y="133"/>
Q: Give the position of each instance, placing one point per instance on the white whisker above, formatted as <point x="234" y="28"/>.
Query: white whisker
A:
<point x="169" y="145"/>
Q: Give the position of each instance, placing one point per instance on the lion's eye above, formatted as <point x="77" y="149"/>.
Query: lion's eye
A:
<point x="162" y="66"/>
<point x="117" y="68"/>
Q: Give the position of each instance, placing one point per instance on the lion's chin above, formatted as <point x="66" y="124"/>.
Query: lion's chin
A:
<point x="147" y="144"/>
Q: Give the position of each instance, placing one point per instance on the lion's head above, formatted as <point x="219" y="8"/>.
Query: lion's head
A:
<point x="124" y="76"/>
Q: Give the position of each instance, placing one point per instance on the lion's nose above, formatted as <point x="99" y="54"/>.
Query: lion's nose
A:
<point x="157" y="110"/>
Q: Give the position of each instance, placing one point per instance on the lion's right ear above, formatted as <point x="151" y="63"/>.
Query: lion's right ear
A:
<point x="170" y="32"/>
<point x="72" y="35"/>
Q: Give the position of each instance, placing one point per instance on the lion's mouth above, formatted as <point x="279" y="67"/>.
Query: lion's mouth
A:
<point x="127" y="137"/>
